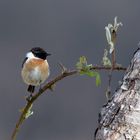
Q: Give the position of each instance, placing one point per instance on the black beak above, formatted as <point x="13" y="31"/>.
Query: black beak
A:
<point x="48" y="54"/>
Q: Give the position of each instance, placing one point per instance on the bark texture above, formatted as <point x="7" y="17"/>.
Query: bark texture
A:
<point x="119" y="119"/>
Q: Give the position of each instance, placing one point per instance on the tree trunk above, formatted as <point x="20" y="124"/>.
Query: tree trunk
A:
<point x="120" y="117"/>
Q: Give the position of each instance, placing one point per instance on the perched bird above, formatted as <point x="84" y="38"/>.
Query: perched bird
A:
<point x="35" y="68"/>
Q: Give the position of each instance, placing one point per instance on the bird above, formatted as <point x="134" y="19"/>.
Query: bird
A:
<point x="35" y="68"/>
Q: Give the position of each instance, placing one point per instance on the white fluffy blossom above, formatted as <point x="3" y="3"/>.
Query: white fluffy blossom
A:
<point x="109" y="30"/>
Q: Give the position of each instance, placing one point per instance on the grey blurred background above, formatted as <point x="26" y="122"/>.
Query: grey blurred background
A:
<point x="67" y="29"/>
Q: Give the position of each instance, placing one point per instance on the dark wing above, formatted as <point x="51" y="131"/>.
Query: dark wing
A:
<point x="24" y="61"/>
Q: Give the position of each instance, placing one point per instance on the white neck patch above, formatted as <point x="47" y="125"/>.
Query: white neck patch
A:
<point x="30" y="55"/>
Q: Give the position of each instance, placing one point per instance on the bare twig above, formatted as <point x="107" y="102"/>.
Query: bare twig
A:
<point x="45" y="88"/>
<point x="108" y="92"/>
<point x="96" y="67"/>
<point x="113" y="59"/>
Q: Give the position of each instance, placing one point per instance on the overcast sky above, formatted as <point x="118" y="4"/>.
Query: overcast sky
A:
<point x="67" y="29"/>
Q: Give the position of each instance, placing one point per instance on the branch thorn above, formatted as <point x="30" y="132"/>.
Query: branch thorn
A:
<point x="63" y="68"/>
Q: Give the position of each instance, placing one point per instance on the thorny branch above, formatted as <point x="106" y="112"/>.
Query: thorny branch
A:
<point x="65" y="73"/>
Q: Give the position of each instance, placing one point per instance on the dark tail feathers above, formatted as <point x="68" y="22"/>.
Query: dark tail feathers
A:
<point x="31" y="88"/>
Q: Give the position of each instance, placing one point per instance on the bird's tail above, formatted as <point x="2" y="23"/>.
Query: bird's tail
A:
<point x="31" y="88"/>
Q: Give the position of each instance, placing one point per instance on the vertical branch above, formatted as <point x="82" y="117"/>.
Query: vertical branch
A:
<point x="108" y="92"/>
<point x="113" y="60"/>
<point x="111" y="35"/>
<point x="114" y="37"/>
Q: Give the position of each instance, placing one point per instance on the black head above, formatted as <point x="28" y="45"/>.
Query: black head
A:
<point x="40" y="53"/>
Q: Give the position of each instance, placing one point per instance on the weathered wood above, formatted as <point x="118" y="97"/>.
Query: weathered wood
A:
<point x="120" y="117"/>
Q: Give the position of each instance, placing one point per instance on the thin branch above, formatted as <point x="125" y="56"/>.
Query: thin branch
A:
<point x="114" y="37"/>
<point x="48" y="86"/>
<point x="21" y="120"/>
<point x="113" y="60"/>
<point x="96" y="67"/>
